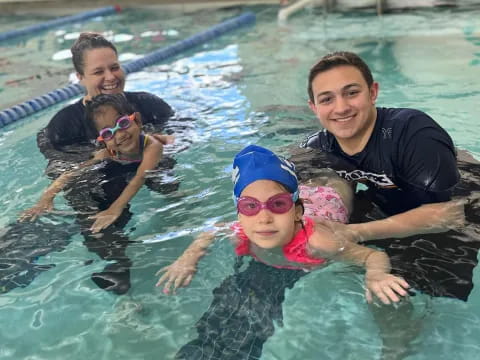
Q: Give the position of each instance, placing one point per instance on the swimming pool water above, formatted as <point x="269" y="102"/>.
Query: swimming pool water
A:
<point x="246" y="87"/>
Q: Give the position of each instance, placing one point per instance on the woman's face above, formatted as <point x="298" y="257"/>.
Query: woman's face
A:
<point x="102" y="73"/>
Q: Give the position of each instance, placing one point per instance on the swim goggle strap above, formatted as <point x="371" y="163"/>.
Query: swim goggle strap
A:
<point x="277" y="204"/>
<point x="122" y="123"/>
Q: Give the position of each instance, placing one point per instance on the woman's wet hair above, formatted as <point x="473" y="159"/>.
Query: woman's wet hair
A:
<point x="97" y="104"/>
<point x="88" y="41"/>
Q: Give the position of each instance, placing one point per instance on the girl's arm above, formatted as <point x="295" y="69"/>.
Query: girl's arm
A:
<point x="180" y="273"/>
<point x="378" y="279"/>
<point x="45" y="204"/>
<point x="151" y="157"/>
<point x="428" y="218"/>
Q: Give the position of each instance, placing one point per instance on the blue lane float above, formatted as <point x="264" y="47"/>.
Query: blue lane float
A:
<point x="197" y="39"/>
<point x="32" y="106"/>
<point x="7" y="35"/>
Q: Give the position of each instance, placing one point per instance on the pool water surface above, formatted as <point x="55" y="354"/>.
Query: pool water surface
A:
<point x="246" y="87"/>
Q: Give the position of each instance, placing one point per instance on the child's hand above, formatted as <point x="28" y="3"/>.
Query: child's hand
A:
<point x="179" y="274"/>
<point x="104" y="219"/>
<point x="35" y="211"/>
<point x="386" y="287"/>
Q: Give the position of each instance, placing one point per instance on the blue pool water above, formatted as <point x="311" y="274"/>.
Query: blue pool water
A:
<point x="246" y="87"/>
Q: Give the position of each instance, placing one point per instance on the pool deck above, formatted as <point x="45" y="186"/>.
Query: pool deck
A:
<point x="41" y="79"/>
<point x="65" y="7"/>
<point x="69" y="7"/>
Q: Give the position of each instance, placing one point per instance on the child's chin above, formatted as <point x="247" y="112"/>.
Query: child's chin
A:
<point x="267" y="246"/>
<point x="129" y="149"/>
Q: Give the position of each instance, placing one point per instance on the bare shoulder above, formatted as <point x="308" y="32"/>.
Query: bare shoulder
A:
<point x="153" y="144"/>
<point x="323" y="242"/>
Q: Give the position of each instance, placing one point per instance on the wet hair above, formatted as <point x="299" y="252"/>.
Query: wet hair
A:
<point x="95" y="106"/>
<point x="333" y="60"/>
<point x="88" y="41"/>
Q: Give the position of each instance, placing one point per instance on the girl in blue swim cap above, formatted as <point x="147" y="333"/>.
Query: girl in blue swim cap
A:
<point x="272" y="228"/>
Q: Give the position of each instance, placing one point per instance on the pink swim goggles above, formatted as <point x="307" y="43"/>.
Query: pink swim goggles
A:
<point x="277" y="204"/>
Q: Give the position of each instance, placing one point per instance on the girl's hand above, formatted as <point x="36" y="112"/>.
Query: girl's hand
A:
<point x="35" y="211"/>
<point x="179" y="274"/>
<point x="386" y="287"/>
<point x="104" y="219"/>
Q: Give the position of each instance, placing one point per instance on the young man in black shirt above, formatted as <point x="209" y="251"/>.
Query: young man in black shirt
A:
<point x="409" y="164"/>
<point x="404" y="157"/>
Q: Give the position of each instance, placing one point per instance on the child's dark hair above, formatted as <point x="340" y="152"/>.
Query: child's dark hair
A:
<point x="88" y="41"/>
<point x="94" y="106"/>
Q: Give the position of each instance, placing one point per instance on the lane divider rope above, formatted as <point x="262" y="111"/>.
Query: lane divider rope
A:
<point x="42" y="102"/>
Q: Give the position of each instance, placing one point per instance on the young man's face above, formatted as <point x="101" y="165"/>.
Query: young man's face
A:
<point x="344" y="103"/>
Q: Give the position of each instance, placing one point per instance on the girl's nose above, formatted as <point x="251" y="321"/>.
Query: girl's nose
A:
<point x="265" y="216"/>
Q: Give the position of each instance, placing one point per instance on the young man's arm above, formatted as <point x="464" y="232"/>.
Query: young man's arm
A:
<point x="426" y="165"/>
<point x="428" y="218"/>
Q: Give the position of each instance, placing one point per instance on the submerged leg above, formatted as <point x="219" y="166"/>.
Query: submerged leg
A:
<point x="399" y="327"/>
<point x="21" y="244"/>
<point x="241" y="316"/>
<point x="111" y="243"/>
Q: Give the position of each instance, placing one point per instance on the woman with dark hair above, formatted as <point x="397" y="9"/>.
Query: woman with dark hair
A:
<point x="69" y="138"/>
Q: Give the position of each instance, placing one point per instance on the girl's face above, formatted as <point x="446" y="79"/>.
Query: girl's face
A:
<point x="102" y="73"/>
<point x="125" y="141"/>
<point x="266" y="229"/>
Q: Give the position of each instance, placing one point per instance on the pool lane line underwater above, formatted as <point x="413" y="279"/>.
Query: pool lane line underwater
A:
<point x="29" y="107"/>
<point x="7" y="35"/>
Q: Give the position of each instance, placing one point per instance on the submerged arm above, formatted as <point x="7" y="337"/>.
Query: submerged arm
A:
<point x="387" y="287"/>
<point x="378" y="279"/>
<point x="45" y="203"/>
<point x="428" y="218"/>
<point x="180" y="273"/>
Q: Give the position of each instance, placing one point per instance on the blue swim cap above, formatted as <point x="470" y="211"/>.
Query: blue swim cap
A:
<point x="257" y="163"/>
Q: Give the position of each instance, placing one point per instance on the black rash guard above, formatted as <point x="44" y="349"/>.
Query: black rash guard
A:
<point x="408" y="161"/>
<point x="69" y="137"/>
